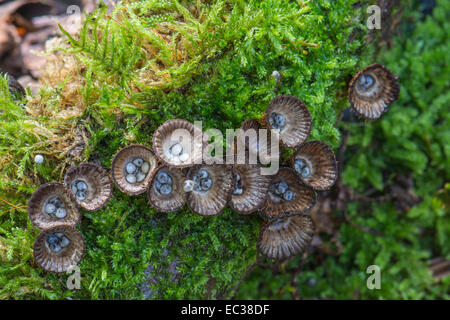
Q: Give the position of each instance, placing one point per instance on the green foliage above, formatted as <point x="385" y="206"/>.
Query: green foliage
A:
<point x="411" y="139"/>
<point x="22" y="141"/>
<point x="131" y="82"/>
<point x="250" y="40"/>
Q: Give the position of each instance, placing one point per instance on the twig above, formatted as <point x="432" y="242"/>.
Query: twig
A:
<point x="340" y="157"/>
<point x="294" y="284"/>
<point x="362" y="228"/>
<point x="113" y="213"/>
<point x="12" y="205"/>
<point x="356" y="196"/>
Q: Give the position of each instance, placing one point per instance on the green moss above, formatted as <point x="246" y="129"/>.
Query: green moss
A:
<point x="222" y="78"/>
<point x="410" y="139"/>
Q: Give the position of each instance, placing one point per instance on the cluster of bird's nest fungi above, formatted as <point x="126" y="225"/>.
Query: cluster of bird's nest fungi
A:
<point x="173" y="175"/>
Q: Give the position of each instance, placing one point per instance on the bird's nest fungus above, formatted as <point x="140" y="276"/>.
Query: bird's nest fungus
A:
<point x="174" y="175"/>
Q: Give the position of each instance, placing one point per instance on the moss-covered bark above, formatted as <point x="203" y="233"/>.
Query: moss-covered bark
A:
<point x="115" y="83"/>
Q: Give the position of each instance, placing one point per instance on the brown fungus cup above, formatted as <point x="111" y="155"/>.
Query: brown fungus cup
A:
<point x="50" y="206"/>
<point x="250" y="188"/>
<point x="288" y="117"/>
<point x="59" y="249"/>
<point x="315" y="164"/>
<point x="166" y="191"/>
<point x="258" y="143"/>
<point x="132" y="169"/>
<point x="179" y="143"/>
<point x="287" y="195"/>
<point x="286" y="237"/>
<point x="208" y="188"/>
<point x="89" y="186"/>
<point x="372" y="90"/>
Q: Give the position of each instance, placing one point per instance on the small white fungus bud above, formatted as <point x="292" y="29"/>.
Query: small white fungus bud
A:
<point x="277" y="75"/>
<point x="39" y="159"/>
<point x="188" y="185"/>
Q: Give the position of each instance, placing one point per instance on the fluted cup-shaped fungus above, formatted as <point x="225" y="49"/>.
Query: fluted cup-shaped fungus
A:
<point x="287" y="195"/>
<point x="258" y="143"/>
<point x="372" y="90"/>
<point x="286" y="237"/>
<point x="132" y="169"/>
<point x="290" y="119"/>
<point x="250" y="188"/>
<point x="166" y="192"/>
<point x="179" y="143"/>
<point x="59" y="249"/>
<point x="315" y="164"/>
<point x="210" y="189"/>
<point x="50" y="206"/>
<point x="89" y="186"/>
